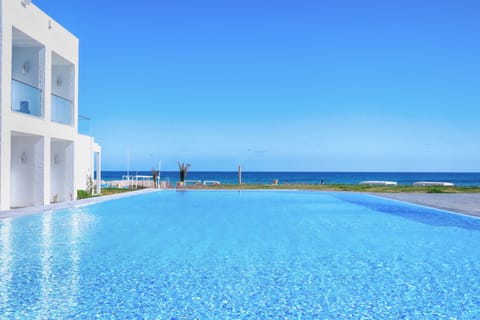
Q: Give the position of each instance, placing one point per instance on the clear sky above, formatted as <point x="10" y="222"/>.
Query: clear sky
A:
<point x="320" y="85"/>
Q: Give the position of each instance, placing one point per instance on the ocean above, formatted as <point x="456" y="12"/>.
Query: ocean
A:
<point x="256" y="177"/>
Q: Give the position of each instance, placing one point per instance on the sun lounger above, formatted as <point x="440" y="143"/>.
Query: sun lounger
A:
<point x="210" y="182"/>
<point x="379" y="183"/>
<point x="432" y="183"/>
<point x="193" y="182"/>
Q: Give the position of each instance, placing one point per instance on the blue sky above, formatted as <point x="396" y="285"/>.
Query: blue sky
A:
<point x="280" y="85"/>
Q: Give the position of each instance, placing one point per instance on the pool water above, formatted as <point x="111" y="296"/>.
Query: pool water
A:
<point x="248" y="254"/>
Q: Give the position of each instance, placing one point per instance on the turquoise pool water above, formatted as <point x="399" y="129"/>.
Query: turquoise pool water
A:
<point x="230" y="255"/>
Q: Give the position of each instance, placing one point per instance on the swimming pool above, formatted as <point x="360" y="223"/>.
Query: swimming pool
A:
<point x="249" y="254"/>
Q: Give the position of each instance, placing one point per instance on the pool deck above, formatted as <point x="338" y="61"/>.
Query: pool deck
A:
<point x="13" y="213"/>
<point x="466" y="203"/>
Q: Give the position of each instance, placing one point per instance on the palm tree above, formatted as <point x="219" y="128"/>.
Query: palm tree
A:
<point x="183" y="170"/>
<point x="155" y="174"/>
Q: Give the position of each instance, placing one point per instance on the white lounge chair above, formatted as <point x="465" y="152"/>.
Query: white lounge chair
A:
<point x="433" y="183"/>
<point x="378" y="183"/>
<point x="211" y="182"/>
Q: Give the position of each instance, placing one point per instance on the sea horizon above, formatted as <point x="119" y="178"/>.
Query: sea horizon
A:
<point x="308" y="177"/>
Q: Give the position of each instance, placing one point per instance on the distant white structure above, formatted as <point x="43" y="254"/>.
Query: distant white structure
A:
<point x="379" y="183"/>
<point x="211" y="183"/>
<point x="433" y="183"/>
<point x="43" y="158"/>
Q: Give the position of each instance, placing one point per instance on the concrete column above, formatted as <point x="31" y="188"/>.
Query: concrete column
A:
<point x="69" y="179"/>
<point x="46" y="81"/>
<point x="98" y="168"/>
<point x="5" y="170"/>
<point x="45" y="168"/>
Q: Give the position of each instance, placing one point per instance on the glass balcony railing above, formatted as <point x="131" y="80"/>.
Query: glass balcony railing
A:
<point x="26" y="99"/>
<point x="62" y="110"/>
<point x="84" y="125"/>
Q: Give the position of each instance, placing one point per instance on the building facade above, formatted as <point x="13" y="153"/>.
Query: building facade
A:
<point x="43" y="158"/>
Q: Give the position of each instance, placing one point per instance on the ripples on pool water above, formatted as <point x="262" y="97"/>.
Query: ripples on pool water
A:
<point x="228" y="254"/>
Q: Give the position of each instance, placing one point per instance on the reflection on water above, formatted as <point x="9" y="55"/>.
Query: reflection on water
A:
<point x="74" y="257"/>
<point x="46" y="253"/>
<point x="46" y="262"/>
<point x="60" y="272"/>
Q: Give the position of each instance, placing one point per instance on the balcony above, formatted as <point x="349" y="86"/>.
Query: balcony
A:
<point x="62" y="110"/>
<point x="26" y="99"/>
<point x="63" y="90"/>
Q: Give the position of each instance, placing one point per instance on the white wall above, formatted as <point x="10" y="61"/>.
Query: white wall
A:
<point x="56" y="52"/>
<point x="61" y="172"/>
<point x="57" y="171"/>
<point x="69" y="171"/>
<point x="22" y="172"/>
<point x="28" y="56"/>
<point x="83" y="161"/>
<point x="63" y="81"/>
<point x="32" y="27"/>
<point x="26" y="171"/>
<point x="39" y="173"/>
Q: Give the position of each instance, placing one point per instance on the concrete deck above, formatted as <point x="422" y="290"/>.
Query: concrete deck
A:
<point x="466" y="203"/>
<point x="69" y="204"/>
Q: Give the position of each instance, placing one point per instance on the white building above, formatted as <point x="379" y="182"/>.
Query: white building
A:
<point x="43" y="158"/>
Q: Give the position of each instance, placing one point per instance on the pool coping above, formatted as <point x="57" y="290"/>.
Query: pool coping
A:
<point x="462" y="208"/>
<point x="419" y="199"/>
<point x="467" y="204"/>
<point x="14" y="213"/>
<point x="415" y="199"/>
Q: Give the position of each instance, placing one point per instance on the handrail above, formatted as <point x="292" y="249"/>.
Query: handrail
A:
<point x="27" y="84"/>
<point x="56" y="95"/>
